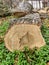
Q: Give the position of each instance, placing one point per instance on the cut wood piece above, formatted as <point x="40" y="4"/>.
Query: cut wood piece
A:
<point x="22" y="35"/>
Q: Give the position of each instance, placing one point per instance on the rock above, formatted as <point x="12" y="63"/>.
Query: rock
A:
<point x="21" y="35"/>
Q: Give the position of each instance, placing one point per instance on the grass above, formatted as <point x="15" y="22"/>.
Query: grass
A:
<point x="45" y="31"/>
<point x="3" y="28"/>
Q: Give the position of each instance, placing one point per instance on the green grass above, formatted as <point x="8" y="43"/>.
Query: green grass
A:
<point x="27" y="57"/>
<point x="4" y="27"/>
<point x="45" y="33"/>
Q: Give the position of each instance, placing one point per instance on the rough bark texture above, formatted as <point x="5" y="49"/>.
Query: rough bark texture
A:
<point x="22" y="35"/>
<point x="30" y="19"/>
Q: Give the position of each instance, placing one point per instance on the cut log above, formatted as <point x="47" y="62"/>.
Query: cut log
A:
<point x="21" y="35"/>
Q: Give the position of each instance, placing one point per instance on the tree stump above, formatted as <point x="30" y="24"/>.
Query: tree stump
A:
<point x="21" y="35"/>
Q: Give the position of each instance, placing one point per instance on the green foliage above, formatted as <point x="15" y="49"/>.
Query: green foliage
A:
<point x="6" y="57"/>
<point x="27" y="57"/>
<point x="22" y="59"/>
<point x="34" y="57"/>
<point x="3" y="27"/>
<point x="45" y="33"/>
